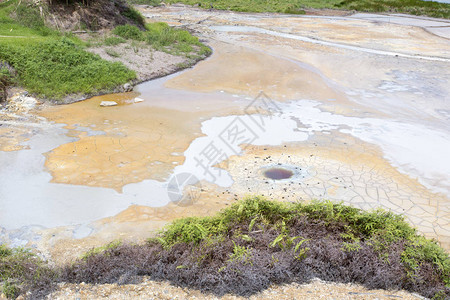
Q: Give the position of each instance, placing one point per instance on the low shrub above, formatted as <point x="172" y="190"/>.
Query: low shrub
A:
<point x="57" y="67"/>
<point x="22" y="271"/>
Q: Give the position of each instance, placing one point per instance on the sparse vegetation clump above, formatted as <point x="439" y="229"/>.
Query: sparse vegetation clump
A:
<point x="257" y="243"/>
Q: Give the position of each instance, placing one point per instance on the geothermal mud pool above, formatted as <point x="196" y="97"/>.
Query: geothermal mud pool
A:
<point x="353" y="109"/>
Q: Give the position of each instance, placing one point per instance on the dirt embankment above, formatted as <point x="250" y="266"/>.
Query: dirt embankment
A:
<point x="89" y="15"/>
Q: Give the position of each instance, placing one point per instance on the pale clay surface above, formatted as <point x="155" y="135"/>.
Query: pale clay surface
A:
<point x="364" y="111"/>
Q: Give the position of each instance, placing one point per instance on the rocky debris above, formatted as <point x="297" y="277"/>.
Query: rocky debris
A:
<point x="108" y="103"/>
<point x="149" y="289"/>
<point x="127" y="87"/>
<point x="21" y="102"/>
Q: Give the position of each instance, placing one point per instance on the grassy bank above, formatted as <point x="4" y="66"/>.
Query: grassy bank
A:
<point x="51" y="64"/>
<point x="415" y="7"/>
<point x="257" y="243"/>
<point x="48" y="63"/>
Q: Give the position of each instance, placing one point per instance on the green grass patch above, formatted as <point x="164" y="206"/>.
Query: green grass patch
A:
<point x="415" y="7"/>
<point x="165" y="38"/>
<point x="129" y="32"/>
<point x="145" y="2"/>
<point x="57" y="67"/>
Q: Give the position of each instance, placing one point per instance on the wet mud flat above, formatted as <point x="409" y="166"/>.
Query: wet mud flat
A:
<point x="352" y="110"/>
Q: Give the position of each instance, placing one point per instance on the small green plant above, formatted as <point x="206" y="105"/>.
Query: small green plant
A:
<point x="58" y="67"/>
<point x="241" y="253"/>
<point x="101" y="249"/>
<point x="154" y="3"/>
<point x="300" y="253"/>
<point x="5" y="251"/>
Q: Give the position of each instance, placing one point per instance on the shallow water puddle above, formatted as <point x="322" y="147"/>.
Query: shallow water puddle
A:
<point x="319" y="132"/>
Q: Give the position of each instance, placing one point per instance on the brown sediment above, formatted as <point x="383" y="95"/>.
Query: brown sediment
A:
<point x="139" y="142"/>
<point x="132" y="141"/>
<point x="241" y="70"/>
<point x="12" y="137"/>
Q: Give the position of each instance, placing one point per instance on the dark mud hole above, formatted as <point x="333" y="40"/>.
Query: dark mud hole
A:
<point x="278" y="173"/>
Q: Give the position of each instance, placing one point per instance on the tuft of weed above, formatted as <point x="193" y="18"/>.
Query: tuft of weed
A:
<point x="129" y="32"/>
<point x="165" y="38"/>
<point x="114" y="41"/>
<point x="101" y="249"/>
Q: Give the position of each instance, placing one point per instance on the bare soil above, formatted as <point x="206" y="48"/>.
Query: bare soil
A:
<point x="149" y="289"/>
<point x="99" y="14"/>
